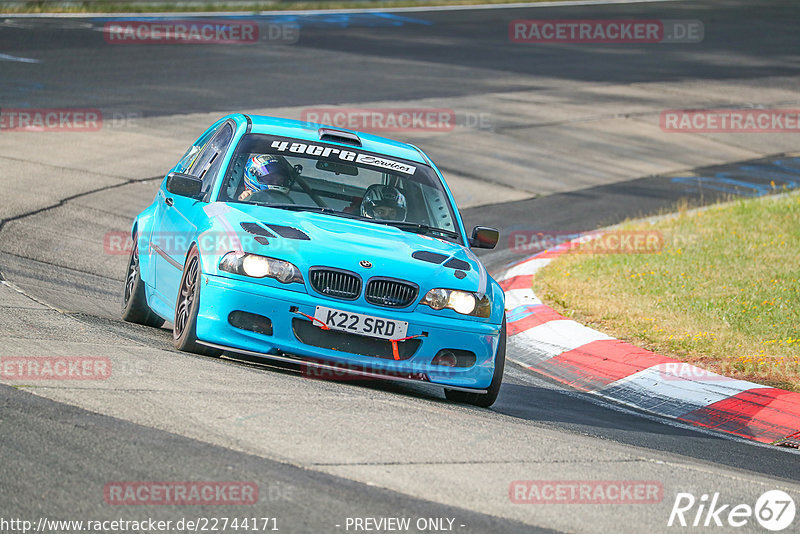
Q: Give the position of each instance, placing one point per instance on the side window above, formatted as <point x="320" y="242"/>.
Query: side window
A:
<point x="439" y="213"/>
<point x="191" y="154"/>
<point x="206" y="165"/>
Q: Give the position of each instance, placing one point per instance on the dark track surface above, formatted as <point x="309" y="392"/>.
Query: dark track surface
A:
<point x="81" y="450"/>
<point x="394" y="57"/>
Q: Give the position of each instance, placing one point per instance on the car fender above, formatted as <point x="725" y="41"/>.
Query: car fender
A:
<point x="140" y="231"/>
<point x="498" y="299"/>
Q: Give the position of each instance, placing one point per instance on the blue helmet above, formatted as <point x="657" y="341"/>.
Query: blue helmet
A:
<point x="266" y="172"/>
<point x="384" y="202"/>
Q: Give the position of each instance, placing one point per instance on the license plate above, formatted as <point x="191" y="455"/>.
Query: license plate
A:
<point x="357" y="323"/>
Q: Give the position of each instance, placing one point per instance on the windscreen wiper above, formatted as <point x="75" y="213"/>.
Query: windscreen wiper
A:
<point x="315" y="209"/>
<point x="294" y="207"/>
<point x="417" y="228"/>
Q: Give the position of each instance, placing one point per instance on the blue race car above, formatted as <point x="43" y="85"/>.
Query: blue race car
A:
<point x="325" y="247"/>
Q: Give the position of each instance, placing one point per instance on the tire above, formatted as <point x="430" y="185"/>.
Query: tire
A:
<point x="184" y="332"/>
<point x="484" y="400"/>
<point x="134" y="301"/>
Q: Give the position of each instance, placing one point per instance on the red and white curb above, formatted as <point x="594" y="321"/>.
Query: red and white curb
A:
<point x="546" y="342"/>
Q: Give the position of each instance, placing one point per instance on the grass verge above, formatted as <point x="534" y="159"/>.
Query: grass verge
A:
<point x="722" y="293"/>
<point x="245" y="6"/>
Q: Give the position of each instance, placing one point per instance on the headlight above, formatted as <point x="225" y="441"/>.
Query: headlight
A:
<point x="463" y="302"/>
<point x="256" y="266"/>
<point x="437" y="298"/>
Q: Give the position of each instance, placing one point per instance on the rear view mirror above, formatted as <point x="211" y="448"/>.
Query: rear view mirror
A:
<point x="184" y="185"/>
<point x="484" y="237"/>
<point x="338" y="168"/>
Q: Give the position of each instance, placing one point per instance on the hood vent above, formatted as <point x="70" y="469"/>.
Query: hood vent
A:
<point x="454" y="263"/>
<point x="255" y="229"/>
<point x="288" y="232"/>
<point x="430" y="257"/>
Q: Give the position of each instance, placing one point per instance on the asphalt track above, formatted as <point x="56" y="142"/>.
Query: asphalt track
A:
<point x="321" y="452"/>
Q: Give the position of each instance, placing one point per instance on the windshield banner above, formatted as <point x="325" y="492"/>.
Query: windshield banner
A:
<point x="344" y="155"/>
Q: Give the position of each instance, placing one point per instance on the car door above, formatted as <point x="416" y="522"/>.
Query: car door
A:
<point x="178" y="216"/>
<point x="156" y="234"/>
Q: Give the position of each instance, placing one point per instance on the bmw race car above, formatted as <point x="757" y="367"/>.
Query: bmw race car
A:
<point x="324" y="247"/>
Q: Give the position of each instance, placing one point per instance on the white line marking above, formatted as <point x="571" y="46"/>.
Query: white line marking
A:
<point x="527" y="267"/>
<point x="9" y="57"/>
<point x="520" y="297"/>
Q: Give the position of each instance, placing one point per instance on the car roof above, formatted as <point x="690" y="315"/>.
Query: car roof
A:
<point x="309" y="131"/>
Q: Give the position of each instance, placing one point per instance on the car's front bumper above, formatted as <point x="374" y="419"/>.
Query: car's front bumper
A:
<point x="220" y="296"/>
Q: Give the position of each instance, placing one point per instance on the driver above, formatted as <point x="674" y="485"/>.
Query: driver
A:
<point x="264" y="172"/>
<point x="384" y="202"/>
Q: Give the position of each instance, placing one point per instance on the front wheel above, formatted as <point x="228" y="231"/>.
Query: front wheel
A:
<point x="484" y="400"/>
<point x="184" y="333"/>
<point x="134" y="301"/>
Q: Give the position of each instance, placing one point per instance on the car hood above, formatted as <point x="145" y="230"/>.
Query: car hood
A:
<point x="310" y="239"/>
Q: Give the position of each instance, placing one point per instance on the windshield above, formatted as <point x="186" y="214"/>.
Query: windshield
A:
<point x="300" y="175"/>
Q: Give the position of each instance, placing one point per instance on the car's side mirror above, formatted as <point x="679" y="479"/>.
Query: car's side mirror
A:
<point x="184" y="185"/>
<point x="484" y="237"/>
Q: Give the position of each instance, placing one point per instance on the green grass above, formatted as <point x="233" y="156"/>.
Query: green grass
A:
<point x="723" y="293"/>
<point x="110" y="6"/>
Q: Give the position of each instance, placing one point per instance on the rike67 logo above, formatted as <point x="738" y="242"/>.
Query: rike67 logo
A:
<point x="774" y="510"/>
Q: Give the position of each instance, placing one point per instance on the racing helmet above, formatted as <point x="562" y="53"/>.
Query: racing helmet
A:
<point x="266" y="172"/>
<point x="384" y="202"/>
